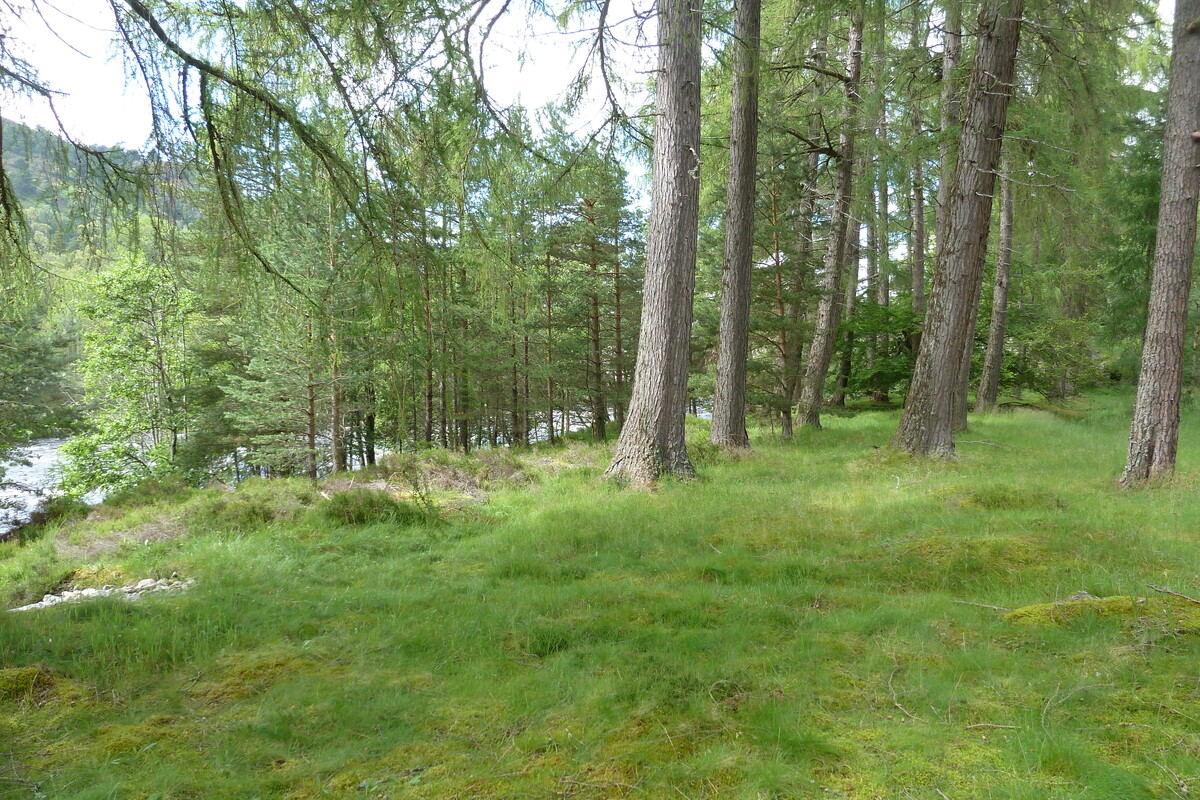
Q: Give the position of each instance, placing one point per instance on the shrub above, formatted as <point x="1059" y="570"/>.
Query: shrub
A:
<point x="56" y="509"/>
<point x="366" y="506"/>
<point x="243" y="513"/>
<point x="149" y="492"/>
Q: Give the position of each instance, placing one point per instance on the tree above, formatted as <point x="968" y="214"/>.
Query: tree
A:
<point x="729" y="403"/>
<point x="1154" y="433"/>
<point x="989" y="382"/>
<point x="138" y="372"/>
<point x="812" y="388"/>
<point x="926" y="426"/>
<point x="652" y="442"/>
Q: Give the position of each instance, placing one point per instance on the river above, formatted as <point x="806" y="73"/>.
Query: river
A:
<point x="27" y="481"/>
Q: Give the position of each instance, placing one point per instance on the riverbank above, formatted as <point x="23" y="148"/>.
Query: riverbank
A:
<point x="817" y="619"/>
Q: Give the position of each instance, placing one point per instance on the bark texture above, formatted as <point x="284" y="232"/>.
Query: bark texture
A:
<point x="845" y="370"/>
<point x="729" y="403"/>
<point x="926" y="427"/>
<point x="951" y="115"/>
<point x="791" y="344"/>
<point x="989" y="382"/>
<point x="962" y="387"/>
<point x="830" y="307"/>
<point x="652" y="442"/>
<point x="917" y="270"/>
<point x="881" y="289"/>
<point x="1154" y="434"/>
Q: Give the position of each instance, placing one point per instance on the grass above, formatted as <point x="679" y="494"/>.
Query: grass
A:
<point x="806" y="621"/>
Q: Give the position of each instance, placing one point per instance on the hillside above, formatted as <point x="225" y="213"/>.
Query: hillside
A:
<point x="818" y="619"/>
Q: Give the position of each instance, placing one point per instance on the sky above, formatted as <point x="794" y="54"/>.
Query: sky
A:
<point x="103" y="105"/>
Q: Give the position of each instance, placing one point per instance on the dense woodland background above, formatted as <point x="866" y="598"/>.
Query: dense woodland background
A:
<point x="336" y="245"/>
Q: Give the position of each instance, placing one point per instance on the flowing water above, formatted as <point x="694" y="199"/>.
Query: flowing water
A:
<point x="27" y="481"/>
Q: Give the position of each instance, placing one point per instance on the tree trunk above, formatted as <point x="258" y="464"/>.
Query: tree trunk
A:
<point x="525" y="393"/>
<point x="879" y="290"/>
<point x="462" y="376"/>
<point x="951" y="116"/>
<point x="652" y="442"/>
<point x="791" y="341"/>
<point x="596" y="364"/>
<point x="337" y="430"/>
<point x="925" y="428"/>
<point x="883" y="265"/>
<point x="829" y="310"/>
<point x="729" y="404"/>
<point x="844" y="371"/>
<point x="873" y="248"/>
<point x="550" y="433"/>
<point x="427" y="411"/>
<point x="917" y="271"/>
<point x="1154" y="434"/>
<point x="618" y="341"/>
<point x="989" y="382"/>
<point x="962" y="389"/>
<point x="310" y="405"/>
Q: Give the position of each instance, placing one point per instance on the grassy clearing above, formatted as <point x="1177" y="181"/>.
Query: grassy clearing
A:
<point x="796" y="623"/>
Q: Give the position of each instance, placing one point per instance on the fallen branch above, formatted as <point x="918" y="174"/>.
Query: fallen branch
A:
<point x="990" y="725"/>
<point x="1174" y="594"/>
<point x="896" y="701"/>
<point x="982" y="605"/>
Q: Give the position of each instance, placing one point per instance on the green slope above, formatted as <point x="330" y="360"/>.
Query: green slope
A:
<point x="812" y="620"/>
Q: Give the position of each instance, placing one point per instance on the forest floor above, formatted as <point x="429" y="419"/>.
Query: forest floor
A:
<point x="823" y="618"/>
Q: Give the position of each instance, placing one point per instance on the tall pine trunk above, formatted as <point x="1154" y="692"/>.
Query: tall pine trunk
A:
<point x="596" y="361"/>
<point x="951" y="116"/>
<point x="989" y="382"/>
<point x="926" y="427"/>
<point x="829" y="309"/>
<point x="618" y="342"/>
<point x="1154" y="434"/>
<point x="845" y="370"/>
<point x="791" y="343"/>
<point x="882" y="289"/>
<point x="652" y="442"/>
<point x="729" y="405"/>
<point x="917" y="268"/>
<point x="337" y="428"/>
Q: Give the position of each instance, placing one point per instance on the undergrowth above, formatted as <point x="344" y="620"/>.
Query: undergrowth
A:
<point x="821" y="618"/>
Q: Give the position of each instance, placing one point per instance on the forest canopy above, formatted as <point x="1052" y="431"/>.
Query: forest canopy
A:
<point x="337" y="242"/>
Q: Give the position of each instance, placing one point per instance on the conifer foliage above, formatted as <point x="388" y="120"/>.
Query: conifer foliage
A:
<point x="339" y="243"/>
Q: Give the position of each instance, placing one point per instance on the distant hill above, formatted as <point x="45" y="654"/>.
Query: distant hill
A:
<point x="61" y="189"/>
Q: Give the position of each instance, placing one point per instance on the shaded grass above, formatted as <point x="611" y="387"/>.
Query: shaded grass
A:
<point x="793" y="624"/>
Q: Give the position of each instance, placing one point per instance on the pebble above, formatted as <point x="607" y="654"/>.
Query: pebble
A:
<point x="131" y="592"/>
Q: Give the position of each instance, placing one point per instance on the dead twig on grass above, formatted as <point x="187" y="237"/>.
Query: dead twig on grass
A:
<point x="896" y="700"/>
<point x="1164" y="590"/>
<point x="982" y="605"/>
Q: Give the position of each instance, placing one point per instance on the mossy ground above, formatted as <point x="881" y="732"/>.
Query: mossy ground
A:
<point x="796" y="623"/>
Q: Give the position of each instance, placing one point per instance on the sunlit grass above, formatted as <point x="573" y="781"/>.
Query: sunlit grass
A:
<point x="815" y="619"/>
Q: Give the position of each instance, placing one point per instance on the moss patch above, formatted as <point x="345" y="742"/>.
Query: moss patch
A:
<point x="1184" y="616"/>
<point x="951" y="560"/>
<point x="94" y="576"/>
<point x="139" y="736"/>
<point x="999" y="497"/>
<point x="245" y="674"/>
<point x="19" y="683"/>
